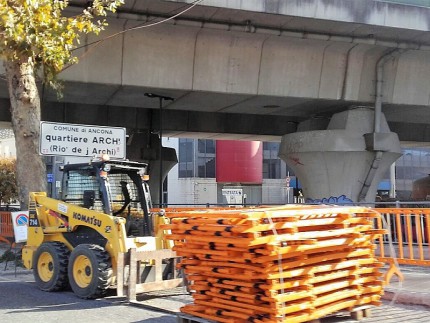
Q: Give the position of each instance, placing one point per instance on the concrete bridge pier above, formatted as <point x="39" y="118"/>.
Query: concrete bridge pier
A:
<point x="345" y="162"/>
<point x="144" y="147"/>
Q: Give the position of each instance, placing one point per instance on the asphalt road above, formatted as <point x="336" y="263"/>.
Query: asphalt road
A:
<point x="21" y="301"/>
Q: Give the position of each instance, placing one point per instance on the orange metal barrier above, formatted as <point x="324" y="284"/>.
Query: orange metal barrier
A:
<point x="408" y="239"/>
<point x="6" y="227"/>
<point x="292" y="263"/>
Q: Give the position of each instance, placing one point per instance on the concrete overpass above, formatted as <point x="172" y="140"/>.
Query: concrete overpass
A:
<point x="258" y="70"/>
<point x="248" y="69"/>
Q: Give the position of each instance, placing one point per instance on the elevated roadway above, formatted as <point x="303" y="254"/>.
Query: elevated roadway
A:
<point x="248" y="69"/>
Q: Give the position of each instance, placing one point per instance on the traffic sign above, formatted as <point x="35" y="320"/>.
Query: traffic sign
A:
<point x="21" y="219"/>
<point x="20" y="224"/>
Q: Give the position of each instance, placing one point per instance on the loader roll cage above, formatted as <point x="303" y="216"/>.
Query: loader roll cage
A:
<point x="113" y="187"/>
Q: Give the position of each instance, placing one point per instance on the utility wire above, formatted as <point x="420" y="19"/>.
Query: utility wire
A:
<point x="97" y="42"/>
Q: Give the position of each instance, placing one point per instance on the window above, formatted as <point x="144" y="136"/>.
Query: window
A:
<point x="201" y="146"/>
<point x="79" y="181"/>
<point x="414" y="164"/>
<point x="186" y="150"/>
<point x="206" y="167"/>
<point x="272" y="165"/>
<point x="206" y="146"/>
<point x="196" y="158"/>
<point x="206" y="158"/>
<point x="186" y="161"/>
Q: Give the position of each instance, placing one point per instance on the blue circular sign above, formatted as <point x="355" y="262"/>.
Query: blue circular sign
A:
<point x="21" y="219"/>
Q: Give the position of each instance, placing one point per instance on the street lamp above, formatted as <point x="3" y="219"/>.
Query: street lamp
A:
<point x="160" y="98"/>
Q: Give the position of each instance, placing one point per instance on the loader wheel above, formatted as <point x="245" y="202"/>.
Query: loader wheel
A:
<point x="50" y="266"/>
<point x="90" y="271"/>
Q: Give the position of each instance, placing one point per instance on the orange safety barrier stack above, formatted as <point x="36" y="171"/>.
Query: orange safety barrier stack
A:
<point x="284" y="264"/>
<point x="6" y="227"/>
<point x="408" y="239"/>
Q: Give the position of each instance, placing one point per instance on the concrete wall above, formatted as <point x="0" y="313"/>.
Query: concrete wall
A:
<point x="199" y="191"/>
<point x="192" y="191"/>
<point x="274" y="191"/>
<point x="370" y="12"/>
<point x="194" y="59"/>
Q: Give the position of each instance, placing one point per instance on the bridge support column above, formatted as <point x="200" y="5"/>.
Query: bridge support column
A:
<point x="345" y="162"/>
<point x="144" y="147"/>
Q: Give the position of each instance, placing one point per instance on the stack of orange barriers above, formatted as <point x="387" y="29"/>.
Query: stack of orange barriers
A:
<point x="285" y="264"/>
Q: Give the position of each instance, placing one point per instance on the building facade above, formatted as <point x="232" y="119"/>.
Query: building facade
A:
<point x="195" y="180"/>
<point x="208" y="170"/>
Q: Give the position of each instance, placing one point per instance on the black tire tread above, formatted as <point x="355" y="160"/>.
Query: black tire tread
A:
<point x="63" y="253"/>
<point x="104" y="269"/>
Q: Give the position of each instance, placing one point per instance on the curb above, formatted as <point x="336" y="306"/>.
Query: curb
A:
<point x="152" y="307"/>
<point x="407" y="297"/>
<point x="12" y="272"/>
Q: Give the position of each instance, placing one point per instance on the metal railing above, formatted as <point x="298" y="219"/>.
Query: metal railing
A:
<point x="408" y="235"/>
<point x="6" y="227"/>
<point x="407" y="240"/>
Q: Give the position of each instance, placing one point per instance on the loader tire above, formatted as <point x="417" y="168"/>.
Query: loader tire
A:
<point x="90" y="271"/>
<point x="50" y="266"/>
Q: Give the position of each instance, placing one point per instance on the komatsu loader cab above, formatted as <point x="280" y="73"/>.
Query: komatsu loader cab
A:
<point x="117" y="188"/>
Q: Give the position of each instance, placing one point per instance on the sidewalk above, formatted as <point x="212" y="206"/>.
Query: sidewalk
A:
<point x="414" y="290"/>
<point x="8" y="268"/>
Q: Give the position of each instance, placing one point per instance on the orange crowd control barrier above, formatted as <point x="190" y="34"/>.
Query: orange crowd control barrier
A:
<point x="6" y="227"/>
<point x="408" y="239"/>
<point x="277" y="264"/>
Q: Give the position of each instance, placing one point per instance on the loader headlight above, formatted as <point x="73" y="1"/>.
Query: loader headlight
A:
<point x="143" y="175"/>
<point x="105" y="157"/>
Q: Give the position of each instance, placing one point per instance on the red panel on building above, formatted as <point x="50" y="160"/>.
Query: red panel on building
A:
<point x="239" y="161"/>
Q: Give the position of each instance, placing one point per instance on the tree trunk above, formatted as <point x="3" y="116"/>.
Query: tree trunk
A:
<point x="25" y="111"/>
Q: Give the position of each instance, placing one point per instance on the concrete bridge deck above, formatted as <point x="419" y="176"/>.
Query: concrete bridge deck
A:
<point x="249" y="69"/>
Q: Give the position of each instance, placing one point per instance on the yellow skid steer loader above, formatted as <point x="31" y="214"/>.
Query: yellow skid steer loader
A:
<point x="104" y="210"/>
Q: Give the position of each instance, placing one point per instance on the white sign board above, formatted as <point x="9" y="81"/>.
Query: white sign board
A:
<point x="232" y="191"/>
<point x="67" y="139"/>
<point x="233" y="195"/>
<point x="20" y="224"/>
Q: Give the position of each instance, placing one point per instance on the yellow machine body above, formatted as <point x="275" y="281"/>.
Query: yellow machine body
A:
<point x="50" y="218"/>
